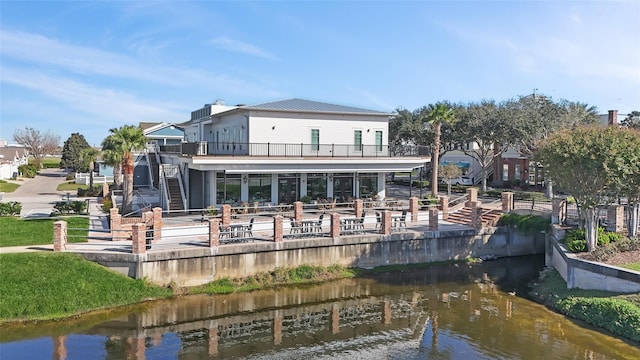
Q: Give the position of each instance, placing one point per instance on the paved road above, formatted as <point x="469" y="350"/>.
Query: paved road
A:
<point x="39" y="194"/>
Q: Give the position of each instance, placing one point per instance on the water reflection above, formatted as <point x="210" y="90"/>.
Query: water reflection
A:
<point x="453" y="312"/>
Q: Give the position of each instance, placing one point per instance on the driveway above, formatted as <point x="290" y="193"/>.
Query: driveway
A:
<point x="38" y="195"/>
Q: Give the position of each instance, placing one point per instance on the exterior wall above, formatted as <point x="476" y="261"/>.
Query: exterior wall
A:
<point x="191" y="267"/>
<point x="296" y="128"/>
<point x="475" y="170"/>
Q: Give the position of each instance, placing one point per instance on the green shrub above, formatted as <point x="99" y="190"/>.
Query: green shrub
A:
<point x="70" y="176"/>
<point x="577" y="245"/>
<point x="107" y="204"/>
<point x="28" y="171"/>
<point x="11" y="208"/>
<point x="96" y="190"/>
<point x="618" y="316"/>
<point x="71" y="207"/>
<point x="494" y="193"/>
<point x="525" y="223"/>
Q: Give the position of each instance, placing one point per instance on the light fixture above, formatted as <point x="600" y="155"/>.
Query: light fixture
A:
<point x="368" y="130"/>
<point x="245" y="178"/>
<point x="273" y="127"/>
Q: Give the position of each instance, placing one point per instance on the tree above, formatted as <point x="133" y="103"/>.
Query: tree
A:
<point x="632" y="120"/>
<point x="627" y="178"/>
<point x="439" y="114"/>
<point x="449" y="172"/>
<point x="112" y="156"/>
<point x="88" y="157"/>
<point x="125" y="140"/>
<point x="39" y="144"/>
<point x="486" y="128"/>
<point x="591" y="163"/>
<point x="71" y="151"/>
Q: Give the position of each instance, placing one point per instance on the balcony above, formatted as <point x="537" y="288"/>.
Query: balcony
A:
<point x="280" y="150"/>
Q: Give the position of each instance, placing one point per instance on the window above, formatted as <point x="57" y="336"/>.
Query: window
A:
<point x="357" y="140"/>
<point x="317" y="186"/>
<point x="315" y="139"/>
<point x="505" y="172"/>
<point x="378" y="140"/>
<point x="516" y="174"/>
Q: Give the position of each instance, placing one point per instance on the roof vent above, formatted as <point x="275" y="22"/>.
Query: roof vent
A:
<point x="219" y="102"/>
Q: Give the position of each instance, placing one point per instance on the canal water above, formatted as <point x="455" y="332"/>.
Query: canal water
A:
<point x="460" y="311"/>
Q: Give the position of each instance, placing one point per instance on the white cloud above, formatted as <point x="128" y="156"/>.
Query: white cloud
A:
<point x="229" y="44"/>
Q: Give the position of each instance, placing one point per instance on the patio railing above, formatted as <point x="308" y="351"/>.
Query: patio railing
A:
<point x="204" y="148"/>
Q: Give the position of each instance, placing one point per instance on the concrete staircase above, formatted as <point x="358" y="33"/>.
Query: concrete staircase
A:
<point x="463" y="216"/>
<point x="175" y="194"/>
<point x="155" y="169"/>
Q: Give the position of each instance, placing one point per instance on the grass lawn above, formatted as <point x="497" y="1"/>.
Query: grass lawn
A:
<point x="7" y="186"/>
<point x="21" y="232"/>
<point x="632" y="266"/>
<point x="71" y="186"/>
<point x="48" y="162"/>
<point x="55" y="285"/>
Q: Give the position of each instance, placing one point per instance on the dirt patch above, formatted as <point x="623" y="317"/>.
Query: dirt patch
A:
<point x="618" y="259"/>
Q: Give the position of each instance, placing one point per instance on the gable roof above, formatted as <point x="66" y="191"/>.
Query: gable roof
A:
<point x="311" y="106"/>
<point x="11" y="153"/>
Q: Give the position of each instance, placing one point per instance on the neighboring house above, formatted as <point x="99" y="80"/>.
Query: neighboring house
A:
<point x="283" y="151"/>
<point x="12" y="157"/>
<point x="162" y="133"/>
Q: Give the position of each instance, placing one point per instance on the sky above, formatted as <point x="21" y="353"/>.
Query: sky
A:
<point x="89" y="66"/>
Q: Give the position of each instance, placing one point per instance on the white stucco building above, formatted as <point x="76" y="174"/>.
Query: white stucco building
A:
<point x="283" y="151"/>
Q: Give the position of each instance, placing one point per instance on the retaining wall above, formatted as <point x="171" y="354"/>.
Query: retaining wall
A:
<point x="195" y="266"/>
<point x="589" y="275"/>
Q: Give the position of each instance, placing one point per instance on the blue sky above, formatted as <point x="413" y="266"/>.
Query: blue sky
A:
<point x="76" y="66"/>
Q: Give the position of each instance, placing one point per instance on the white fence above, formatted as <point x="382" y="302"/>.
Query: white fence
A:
<point x="83" y="179"/>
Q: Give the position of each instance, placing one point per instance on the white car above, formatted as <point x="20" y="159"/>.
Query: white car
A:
<point x="462" y="180"/>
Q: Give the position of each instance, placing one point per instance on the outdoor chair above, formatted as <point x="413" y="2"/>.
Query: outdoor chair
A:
<point x="294" y="226"/>
<point x="402" y="222"/>
<point x="361" y="222"/>
<point x="378" y="220"/>
<point x="318" y="226"/>
<point x="248" y="232"/>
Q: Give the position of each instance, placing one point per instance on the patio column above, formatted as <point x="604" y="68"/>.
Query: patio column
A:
<point x="414" y="208"/>
<point x="138" y="238"/>
<point x="59" y="235"/>
<point x="297" y="211"/>
<point x="472" y="196"/>
<point x="335" y="225"/>
<point x="444" y="206"/>
<point x="157" y="224"/>
<point x="558" y="210"/>
<point x="615" y="218"/>
<point x="476" y="215"/>
<point x="116" y="224"/>
<point x="214" y="232"/>
<point x="433" y="219"/>
<point x="277" y="229"/>
<point x="507" y="201"/>
<point x="226" y="215"/>
<point x="386" y="222"/>
<point x="358" y="206"/>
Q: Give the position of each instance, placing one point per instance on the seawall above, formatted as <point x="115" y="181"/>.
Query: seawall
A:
<point x="199" y="265"/>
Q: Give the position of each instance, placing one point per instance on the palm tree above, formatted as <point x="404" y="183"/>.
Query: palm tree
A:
<point x="112" y="156"/>
<point x="440" y="113"/>
<point x="88" y="158"/>
<point x="125" y="140"/>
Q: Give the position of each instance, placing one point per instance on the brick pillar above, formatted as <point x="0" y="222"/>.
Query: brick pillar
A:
<point x="615" y="218"/>
<point x="214" y="232"/>
<point x="138" y="238"/>
<point x="226" y="215"/>
<point x="444" y="206"/>
<point x="277" y="330"/>
<point x="157" y="224"/>
<point x="297" y="211"/>
<point x="358" y="206"/>
<point x="335" y="226"/>
<point x="507" y="201"/>
<point x="414" y="208"/>
<point x="386" y="222"/>
<point x="116" y="224"/>
<point x="59" y="348"/>
<point x="557" y="210"/>
<point x="476" y="215"/>
<point x="472" y="196"/>
<point x="433" y="219"/>
<point x="147" y="217"/>
<point x="59" y="235"/>
<point x="278" y="234"/>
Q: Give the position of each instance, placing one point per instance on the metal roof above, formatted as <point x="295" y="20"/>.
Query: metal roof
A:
<point x="311" y="106"/>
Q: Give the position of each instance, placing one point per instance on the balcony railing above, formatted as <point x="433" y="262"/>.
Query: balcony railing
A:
<point x="294" y="150"/>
